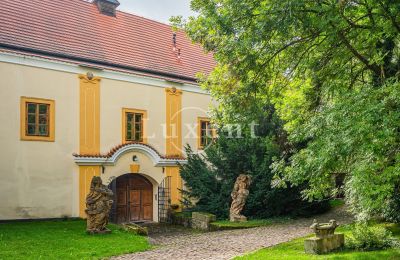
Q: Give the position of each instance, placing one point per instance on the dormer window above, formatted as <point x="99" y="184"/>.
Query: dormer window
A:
<point x="107" y="7"/>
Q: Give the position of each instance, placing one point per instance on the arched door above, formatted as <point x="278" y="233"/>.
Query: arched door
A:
<point x="134" y="199"/>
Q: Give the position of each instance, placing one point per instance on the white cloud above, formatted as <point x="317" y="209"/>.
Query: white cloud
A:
<point x="159" y="10"/>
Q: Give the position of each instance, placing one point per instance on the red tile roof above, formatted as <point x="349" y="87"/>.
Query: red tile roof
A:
<point x="74" y="30"/>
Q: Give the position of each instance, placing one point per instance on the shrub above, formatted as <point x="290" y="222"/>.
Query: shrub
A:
<point x="210" y="177"/>
<point x="366" y="238"/>
<point x="391" y="212"/>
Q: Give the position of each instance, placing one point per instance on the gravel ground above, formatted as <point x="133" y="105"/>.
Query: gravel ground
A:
<point x="183" y="244"/>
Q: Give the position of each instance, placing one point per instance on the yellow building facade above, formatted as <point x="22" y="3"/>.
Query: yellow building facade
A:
<point x="87" y="109"/>
<point x="104" y="93"/>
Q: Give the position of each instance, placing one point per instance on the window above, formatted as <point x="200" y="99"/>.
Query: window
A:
<point x="133" y="125"/>
<point x="205" y="132"/>
<point x="37" y="119"/>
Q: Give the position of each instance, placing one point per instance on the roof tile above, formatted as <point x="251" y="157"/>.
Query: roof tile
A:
<point x="77" y="29"/>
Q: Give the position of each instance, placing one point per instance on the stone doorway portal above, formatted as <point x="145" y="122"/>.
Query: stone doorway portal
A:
<point x="134" y="199"/>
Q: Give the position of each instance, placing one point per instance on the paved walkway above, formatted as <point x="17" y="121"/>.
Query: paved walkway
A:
<point x="187" y="245"/>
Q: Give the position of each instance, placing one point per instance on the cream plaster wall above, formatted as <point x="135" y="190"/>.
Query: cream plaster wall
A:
<point x="194" y="105"/>
<point x="114" y="96"/>
<point x="38" y="179"/>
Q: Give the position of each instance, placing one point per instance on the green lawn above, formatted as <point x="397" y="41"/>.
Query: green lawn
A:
<point x="295" y="250"/>
<point x="64" y="240"/>
<point x="226" y="224"/>
<point x="336" y="203"/>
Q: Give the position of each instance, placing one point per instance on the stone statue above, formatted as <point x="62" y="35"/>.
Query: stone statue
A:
<point x="324" y="229"/>
<point x="98" y="206"/>
<point x="325" y="239"/>
<point x="239" y="196"/>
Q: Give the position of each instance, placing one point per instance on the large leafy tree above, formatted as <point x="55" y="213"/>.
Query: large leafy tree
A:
<point x="331" y="68"/>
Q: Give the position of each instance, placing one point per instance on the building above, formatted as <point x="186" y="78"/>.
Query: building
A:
<point x="87" y="90"/>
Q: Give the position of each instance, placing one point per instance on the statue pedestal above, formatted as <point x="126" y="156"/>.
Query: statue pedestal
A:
<point x="238" y="219"/>
<point x="321" y="245"/>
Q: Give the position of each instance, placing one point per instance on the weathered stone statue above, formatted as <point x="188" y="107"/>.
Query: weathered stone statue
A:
<point x="239" y="196"/>
<point x="325" y="239"/>
<point x="98" y="206"/>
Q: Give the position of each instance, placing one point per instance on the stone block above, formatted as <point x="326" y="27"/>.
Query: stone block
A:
<point x="321" y="245"/>
<point x="136" y="229"/>
<point x="202" y="220"/>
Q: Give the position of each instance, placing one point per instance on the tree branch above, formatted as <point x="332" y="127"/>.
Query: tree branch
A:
<point x="373" y="67"/>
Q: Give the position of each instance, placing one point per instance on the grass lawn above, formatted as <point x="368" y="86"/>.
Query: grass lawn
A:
<point x="336" y="203"/>
<point x="64" y="240"/>
<point x="226" y="224"/>
<point x="295" y="250"/>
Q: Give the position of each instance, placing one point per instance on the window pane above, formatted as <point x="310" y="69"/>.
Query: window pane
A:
<point x="31" y="108"/>
<point x="129" y="117"/>
<point x="138" y="127"/>
<point x="203" y="132"/>
<point x="138" y="118"/>
<point x="31" y="118"/>
<point x="203" y="141"/>
<point x="129" y="127"/>
<point x="129" y="136"/>
<point x="203" y="125"/>
<point x="43" y="119"/>
<point x="30" y="130"/>
<point x="43" y="108"/>
<point x="43" y="130"/>
<point x="138" y="136"/>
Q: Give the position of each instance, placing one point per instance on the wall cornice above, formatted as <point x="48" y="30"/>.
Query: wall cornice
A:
<point x="38" y="62"/>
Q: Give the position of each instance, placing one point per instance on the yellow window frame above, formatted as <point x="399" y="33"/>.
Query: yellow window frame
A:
<point x="124" y="123"/>
<point x="51" y="118"/>
<point x="200" y="120"/>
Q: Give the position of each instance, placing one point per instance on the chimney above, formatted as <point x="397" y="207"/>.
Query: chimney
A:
<point x="107" y="7"/>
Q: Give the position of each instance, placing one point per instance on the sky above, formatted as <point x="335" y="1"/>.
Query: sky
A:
<point x="159" y="10"/>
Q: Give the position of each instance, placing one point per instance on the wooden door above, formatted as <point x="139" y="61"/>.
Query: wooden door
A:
<point x="122" y="200"/>
<point x="134" y="199"/>
<point x="147" y="204"/>
<point x="134" y="205"/>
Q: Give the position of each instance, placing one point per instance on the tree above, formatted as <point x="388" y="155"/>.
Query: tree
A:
<point x="331" y="69"/>
<point x="210" y="177"/>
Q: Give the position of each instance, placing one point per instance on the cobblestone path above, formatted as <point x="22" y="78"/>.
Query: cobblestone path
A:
<point x="183" y="244"/>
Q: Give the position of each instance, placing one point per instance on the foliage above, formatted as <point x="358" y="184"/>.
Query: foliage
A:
<point x="64" y="240"/>
<point x="331" y="69"/>
<point x="294" y="250"/>
<point x="364" y="237"/>
<point x="357" y="135"/>
<point x="391" y="212"/>
<point x="210" y="178"/>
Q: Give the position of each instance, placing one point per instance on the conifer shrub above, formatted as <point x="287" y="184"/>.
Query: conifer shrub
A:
<point x="210" y="176"/>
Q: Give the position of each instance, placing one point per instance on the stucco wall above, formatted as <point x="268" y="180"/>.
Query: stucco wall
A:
<point x="194" y="105"/>
<point x="114" y="96"/>
<point x="38" y="179"/>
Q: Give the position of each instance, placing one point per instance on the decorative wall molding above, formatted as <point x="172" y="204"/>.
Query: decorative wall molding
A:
<point x="112" y="157"/>
<point x="37" y="62"/>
